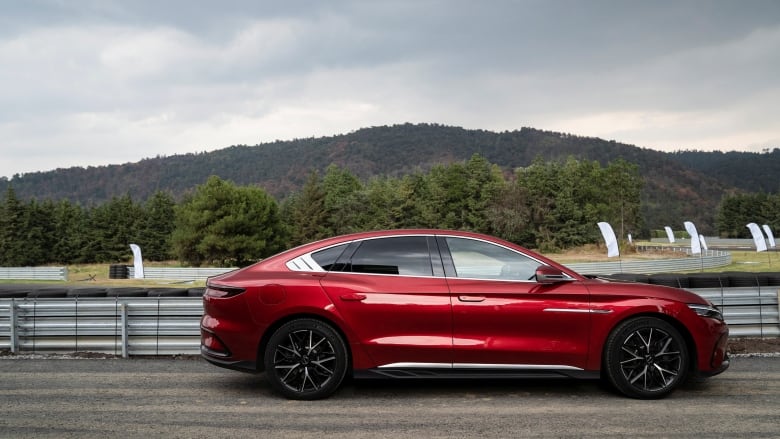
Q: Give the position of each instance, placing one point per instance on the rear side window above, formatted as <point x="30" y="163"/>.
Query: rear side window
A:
<point x="328" y="257"/>
<point x="401" y="255"/>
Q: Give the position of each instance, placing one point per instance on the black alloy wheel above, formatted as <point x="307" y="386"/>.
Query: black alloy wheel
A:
<point x="305" y="359"/>
<point x="646" y="358"/>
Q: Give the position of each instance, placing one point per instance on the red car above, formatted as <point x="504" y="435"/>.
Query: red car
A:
<point x="450" y="304"/>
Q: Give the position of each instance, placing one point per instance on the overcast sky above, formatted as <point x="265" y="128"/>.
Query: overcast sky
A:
<point x="106" y="81"/>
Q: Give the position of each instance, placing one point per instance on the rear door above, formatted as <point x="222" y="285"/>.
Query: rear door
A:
<point x="392" y="293"/>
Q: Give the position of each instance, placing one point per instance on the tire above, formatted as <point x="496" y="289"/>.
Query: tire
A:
<point x="305" y="359"/>
<point x="87" y="292"/>
<point x="646" y="358"/>
<point x="669" y="280"/>
<point x="167" y="292"/>
<point x="127" y="292"/>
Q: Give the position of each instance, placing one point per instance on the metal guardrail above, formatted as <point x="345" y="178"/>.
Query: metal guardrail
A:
<point x="34" y="273"/>
<point x="182" y="274"/>
<point x="749" y="311"/>
<point x="170" y="325"/>
<point x="708" y="259"/>
<point x="118" y="326"/>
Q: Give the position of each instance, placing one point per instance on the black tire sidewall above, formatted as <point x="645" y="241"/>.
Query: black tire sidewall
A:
<point x="333" y="337"/>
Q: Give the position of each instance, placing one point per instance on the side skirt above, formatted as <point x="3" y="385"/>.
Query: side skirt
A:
<point x="471" y="373"/>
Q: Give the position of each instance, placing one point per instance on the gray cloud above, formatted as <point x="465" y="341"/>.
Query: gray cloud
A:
<point x="98" y="82"/>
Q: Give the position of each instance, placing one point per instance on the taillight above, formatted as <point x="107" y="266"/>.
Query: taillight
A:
<point x="221" y="291"/>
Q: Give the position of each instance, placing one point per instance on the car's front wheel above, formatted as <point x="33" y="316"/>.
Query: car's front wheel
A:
<point x="305" y="359"/>
<point x="646" y="358"/>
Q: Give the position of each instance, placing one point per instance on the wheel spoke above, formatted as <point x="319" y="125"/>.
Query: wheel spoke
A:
<point x="663" y="371"/>
<point x="307" y="377"/>
<point x="294" y="348"/>
<point x="319" y="364"/>
<point x="289" y="372"/>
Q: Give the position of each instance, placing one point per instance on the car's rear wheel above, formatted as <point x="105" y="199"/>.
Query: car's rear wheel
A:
<point x="305" y="359"/>
<point x="646" y="358"/>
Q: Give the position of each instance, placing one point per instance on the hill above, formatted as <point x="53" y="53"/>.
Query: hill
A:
<point x="675" y="188"/>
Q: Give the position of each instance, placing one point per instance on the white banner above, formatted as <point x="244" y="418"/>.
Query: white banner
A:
<point x="138" y="263"/>
<point x="703" y="242"/>
<point x="669" y="234"/>
<point x="769" y="235"/>
<point x="695" y="243"/>
<point x="758" y="237"/>
<point x="610" y="239"/>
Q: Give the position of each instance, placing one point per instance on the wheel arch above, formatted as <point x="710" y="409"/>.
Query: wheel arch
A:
<point x="288" y="318"/>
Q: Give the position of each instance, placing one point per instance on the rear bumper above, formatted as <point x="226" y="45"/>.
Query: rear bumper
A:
<point x="241" y="366"/>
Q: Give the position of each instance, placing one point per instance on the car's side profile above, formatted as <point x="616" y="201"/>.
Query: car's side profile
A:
<point x="440" y="303"/>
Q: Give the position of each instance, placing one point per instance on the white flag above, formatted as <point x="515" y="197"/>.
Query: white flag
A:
<point x="610" y="239"/>
<point x="703" y="242"/>
<point x="695" y="243"/>
<point x="758" y="237"/>
<point x="138" y="263"/>
<point x="669" y="233"/>
<point x="630" y="240"/>
<point x="769" y="235"/>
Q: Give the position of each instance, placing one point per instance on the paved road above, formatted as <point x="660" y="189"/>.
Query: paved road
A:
<point x="190" y="398"/>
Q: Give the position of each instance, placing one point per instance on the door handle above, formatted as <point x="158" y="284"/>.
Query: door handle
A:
<point x="353" y="297"/>
<point x="471" y="298"/>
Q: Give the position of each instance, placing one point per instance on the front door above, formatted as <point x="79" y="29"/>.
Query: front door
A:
<point x="502" y="316"/>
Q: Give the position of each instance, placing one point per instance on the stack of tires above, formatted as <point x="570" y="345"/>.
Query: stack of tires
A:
<point x="48" y="292"/>
<point x="118" y="272"/>
<point x="702" y="280"/>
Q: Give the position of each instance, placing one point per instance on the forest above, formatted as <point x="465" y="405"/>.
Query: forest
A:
<point x="549" y="205"/>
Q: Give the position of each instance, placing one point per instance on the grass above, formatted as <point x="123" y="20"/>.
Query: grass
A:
<point x="751" y="261"/>
<point x="741" y="260"/>
<point x="98" y="274"/>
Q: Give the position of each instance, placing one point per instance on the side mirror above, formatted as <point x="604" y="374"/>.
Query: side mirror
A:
<point x="548" y="275"/>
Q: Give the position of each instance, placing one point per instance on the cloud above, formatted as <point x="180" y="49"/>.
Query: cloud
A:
<point x="98" y="82"/>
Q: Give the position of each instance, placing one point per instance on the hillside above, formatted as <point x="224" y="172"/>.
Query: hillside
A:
<point x="675" y="190"/>
<point x="749" y="171"/>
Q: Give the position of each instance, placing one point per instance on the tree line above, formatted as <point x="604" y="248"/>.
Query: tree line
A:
<point x="549" y="205"/>
<point x="738" y="210"/>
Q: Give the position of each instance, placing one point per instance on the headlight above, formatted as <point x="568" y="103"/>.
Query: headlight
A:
<point x="706" y="311"/>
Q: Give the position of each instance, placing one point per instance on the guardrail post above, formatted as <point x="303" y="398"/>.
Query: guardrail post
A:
<point x="778" y="307"/>
<point x="125" y="343"/>
<point x="14" y="334"/>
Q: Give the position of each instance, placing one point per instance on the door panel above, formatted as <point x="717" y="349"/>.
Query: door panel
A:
<point x="397" y="319"/>
<point x="522" y="323"/>
<point x="501" y="315"/>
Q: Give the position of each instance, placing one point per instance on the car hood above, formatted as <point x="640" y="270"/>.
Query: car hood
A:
<point x="637" y="289"/>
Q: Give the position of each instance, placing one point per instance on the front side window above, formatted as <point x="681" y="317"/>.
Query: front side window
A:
<point x="483" y="260"/>
<point x="402" y="255"/>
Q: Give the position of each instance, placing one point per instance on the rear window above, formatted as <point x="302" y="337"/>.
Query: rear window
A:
<point x="401" y="255"/>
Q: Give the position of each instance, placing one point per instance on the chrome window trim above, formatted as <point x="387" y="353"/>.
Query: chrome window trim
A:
<point x="301" y="262"/>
